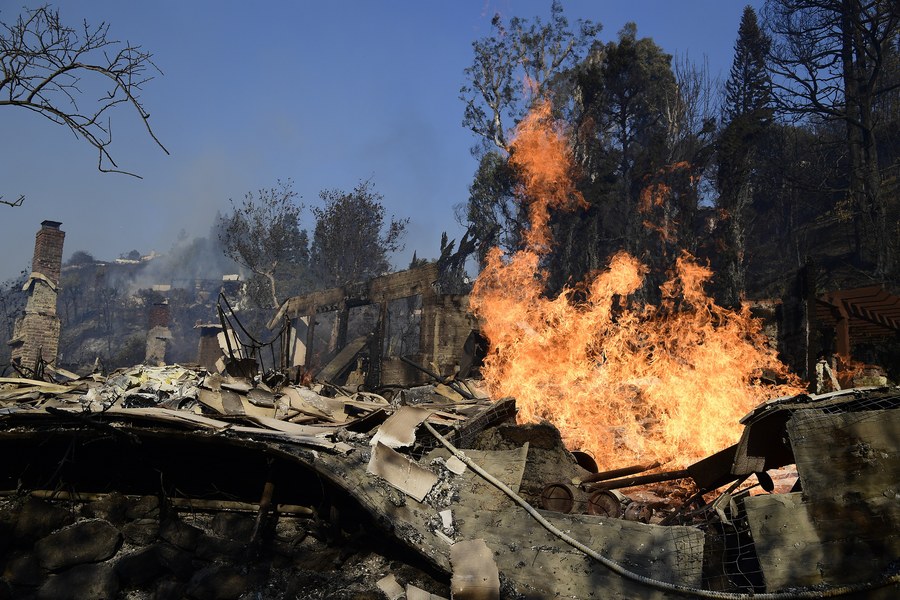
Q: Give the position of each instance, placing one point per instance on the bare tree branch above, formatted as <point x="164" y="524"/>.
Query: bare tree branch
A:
<point x="13" y="203"/>
<point x="48" y="68"/>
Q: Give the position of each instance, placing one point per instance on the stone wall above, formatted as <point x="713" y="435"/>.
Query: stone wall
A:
<point x="132" y="547"/>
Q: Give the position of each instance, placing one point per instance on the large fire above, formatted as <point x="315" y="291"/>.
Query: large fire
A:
<point x="626" y="382"/>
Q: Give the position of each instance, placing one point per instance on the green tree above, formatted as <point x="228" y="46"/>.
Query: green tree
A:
<point x="749" y="86"/>
<point x="263" y="235"/>
<point x="351" y="241"/>
<point x="829" y="60"/>
<point x="746" y="116"/>
<point x="516" y="64"/>
<point x="624" y="88"/>
<point x="47" y="67"/>
<point x="624" y="121"/>
<point x="520" y="61"/>
<point x="493" y="214"/>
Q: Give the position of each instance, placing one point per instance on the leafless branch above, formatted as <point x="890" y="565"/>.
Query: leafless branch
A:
<point x="49" y="68"/>
<point x="13" y="203"/>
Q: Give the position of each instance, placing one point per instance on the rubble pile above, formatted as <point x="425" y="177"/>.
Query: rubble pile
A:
<point x="224" y="487"/>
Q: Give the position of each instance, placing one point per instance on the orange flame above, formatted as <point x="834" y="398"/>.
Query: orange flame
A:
<point x="543" y="158"/>
<point x="627" y="383"/>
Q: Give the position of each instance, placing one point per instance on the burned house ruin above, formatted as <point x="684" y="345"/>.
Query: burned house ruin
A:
<point x="376" y="332"/>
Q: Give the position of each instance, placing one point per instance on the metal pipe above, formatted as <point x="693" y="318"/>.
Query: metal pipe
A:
<point x="616" y="484"/>
<point x="621" y="472"/>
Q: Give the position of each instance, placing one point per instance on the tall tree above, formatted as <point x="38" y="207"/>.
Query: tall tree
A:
<point x="626" y="97"/>
<point x="352" y="241"/>
<point x="514" y="65"/>
<point x="828" y="60"/>
<point x="749" y="86"/>
<point x="746" y="114"/>
<point x="263" y="234"/>
<point x="519" y="61"/>
<point x="494" y="215"/>
<point x="47" y="68"/>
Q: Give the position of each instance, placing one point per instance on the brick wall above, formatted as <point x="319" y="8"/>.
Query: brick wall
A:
<point x="159" y="315"/>
<point x="209" y="350"/>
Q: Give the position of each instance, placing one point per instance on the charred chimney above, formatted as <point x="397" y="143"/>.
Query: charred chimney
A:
<point x="36" y="336"/>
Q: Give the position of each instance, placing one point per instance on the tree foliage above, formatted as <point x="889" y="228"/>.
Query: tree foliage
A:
<point x="749" y="86"/>
<point x="746" y="117"/>
<point x="73" y="76"/>
<point x="496" y="95"/>
<point x="520" y="61"/>
<point x="830" y="60"/>
<point x="80" y="257"/>
<point x="352" y="241"/>
<point x="493" y="214"/>
<point x="263" y="234"/>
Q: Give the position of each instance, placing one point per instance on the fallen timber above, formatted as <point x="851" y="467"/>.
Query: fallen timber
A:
<point x="540" y="554"/>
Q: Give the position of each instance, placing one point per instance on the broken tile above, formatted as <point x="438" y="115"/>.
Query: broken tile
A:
<point x="475" y="575"/>
<point x="392" y="590"/>
<point x="402" y="473"/>
<point x="400" y="428"/>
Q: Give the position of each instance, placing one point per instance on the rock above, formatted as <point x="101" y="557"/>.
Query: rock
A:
<point x="111" y="508"/>
<point x="176" y="561"/>
<point x="233" y="526"/>
<point x="217" y="582"/>
<point x="37" y="519"/>
<point x="169" y="589"/>
<point x="84" y="582"/>
<point x="147" y="507"/>
<point x="83" y="542"/>
<point x="141" y="531"/>
<point x="216" y="549"/>
<point x="139" y="568"/>
<point x="23" y="569"/>
<point x="180" y="534"/>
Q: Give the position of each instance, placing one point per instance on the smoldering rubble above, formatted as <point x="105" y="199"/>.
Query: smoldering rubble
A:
<point x="179" y="481"/>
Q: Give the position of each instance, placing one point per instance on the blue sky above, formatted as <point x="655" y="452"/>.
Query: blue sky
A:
<point x="324" y="93"/>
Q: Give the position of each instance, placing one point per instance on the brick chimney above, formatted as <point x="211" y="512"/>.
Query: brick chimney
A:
<point x="48" y="250"/>
<point x="158" y="334"/>
<point x="36" y="336"/>
<point x="209" y="350"/>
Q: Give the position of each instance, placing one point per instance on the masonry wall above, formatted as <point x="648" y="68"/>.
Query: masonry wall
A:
<point x="36" y="335"/>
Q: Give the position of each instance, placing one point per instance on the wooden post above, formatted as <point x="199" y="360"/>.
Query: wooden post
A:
<point x="265" y="503"/>
<point x="812" y="332"/>
<point x="310" y="339"/>
<point x="842" y="331"/>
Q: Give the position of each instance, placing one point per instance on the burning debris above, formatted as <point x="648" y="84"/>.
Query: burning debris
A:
<point x="622" y="380"/>
<point x="228" y="480"/>
<point x="446" y="478"/>
<point x="359" y="421"/>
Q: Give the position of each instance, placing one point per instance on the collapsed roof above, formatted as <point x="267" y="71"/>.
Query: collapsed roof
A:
<point x="217" y="438"/>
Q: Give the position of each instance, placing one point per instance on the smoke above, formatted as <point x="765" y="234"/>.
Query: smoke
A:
<point x="188" y="264"/>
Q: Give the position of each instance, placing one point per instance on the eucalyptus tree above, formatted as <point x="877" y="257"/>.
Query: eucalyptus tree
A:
<point x="262" y="233"/>
<point x="517" y="63"/>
